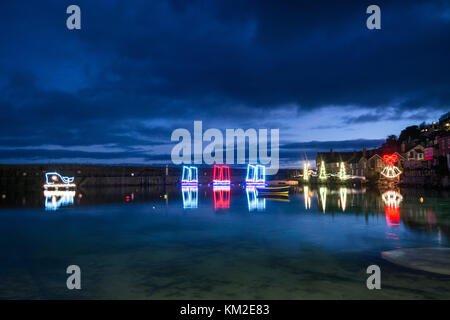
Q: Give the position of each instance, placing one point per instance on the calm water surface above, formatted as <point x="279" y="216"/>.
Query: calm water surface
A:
<point x="198" y="244"/>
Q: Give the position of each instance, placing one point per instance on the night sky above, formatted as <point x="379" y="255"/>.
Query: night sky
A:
<point x="114" y="91"/>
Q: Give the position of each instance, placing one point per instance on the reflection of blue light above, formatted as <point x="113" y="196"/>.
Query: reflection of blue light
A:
<point x="190" y="197"/>
<point x="56" y="199"/>
<point x="54" y="176"/>
<point x="189" y="175"/>
<point x="253" y="201"/>
<point x="256" y="174"/>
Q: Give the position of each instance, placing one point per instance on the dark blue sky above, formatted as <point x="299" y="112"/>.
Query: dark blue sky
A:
<point x="114" y="91"/>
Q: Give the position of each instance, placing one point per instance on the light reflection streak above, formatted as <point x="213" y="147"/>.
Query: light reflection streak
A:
<point x="190" y="197"/>
<point x="57" y="199"/>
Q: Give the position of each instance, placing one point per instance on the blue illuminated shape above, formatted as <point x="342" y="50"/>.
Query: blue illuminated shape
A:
<point x="57" y="199"/>
<point x="254" y="203"/>
<point x="190" y="197"/>
<point x="52" y="177"/>
<point x="189" y="176"/>
<point x="256" y="174"/>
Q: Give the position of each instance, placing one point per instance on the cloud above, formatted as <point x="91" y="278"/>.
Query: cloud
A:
<point x="138" y="70"/>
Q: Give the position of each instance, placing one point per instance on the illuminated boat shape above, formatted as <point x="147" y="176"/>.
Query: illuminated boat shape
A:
<point x="190" y="176"/>
<point x="256" y="175"/>
<point x="55" y="181"/>
<point x="221" y="176"/>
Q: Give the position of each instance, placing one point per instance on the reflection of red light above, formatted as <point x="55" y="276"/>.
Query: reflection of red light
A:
<point x="390" y="158"/>
<point x="221" y="173"/>
<point x="127" y="198"/>
<point x="221" y="199"/>
<point x="392" y="214"/>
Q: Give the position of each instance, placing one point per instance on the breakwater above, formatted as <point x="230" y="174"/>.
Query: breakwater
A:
<point x="32" y="176"/>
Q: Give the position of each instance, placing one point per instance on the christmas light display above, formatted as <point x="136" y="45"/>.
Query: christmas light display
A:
<point x="322" y="173"/>
<point x="189" y="176"/>
<point x="342" y="174"/>
<point x="190" y="197"/>
<point x="305" y="171"/>
<point x="55" y="180"/>
<point x="221" y="175"/>
<point x="256" y="174"/>
<point x="390" y="171"/>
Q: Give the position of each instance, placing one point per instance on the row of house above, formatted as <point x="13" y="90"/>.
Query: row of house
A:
<point x="429" y="150"/>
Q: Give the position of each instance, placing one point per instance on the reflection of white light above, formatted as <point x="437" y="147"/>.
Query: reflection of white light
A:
<point x="221" y="187"/>
<point x="307" y="198"/>
<point x="392" y="198"/>
<point x="253" y="201"/>
<point x="323" y="197"/>
<point x="343" y="197"/>
<point x="190" y="197"/>
<point x="56" y="199"/>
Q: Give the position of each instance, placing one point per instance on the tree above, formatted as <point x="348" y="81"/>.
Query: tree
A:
<point x="411" y="132"/>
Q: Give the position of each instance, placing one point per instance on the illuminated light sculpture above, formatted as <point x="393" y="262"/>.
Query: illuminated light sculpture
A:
<point x="221" y="196"/>
<point x="254" y="203"/>
<point x="190" y="176"/>
<point x="221" y="176"/>
<point x="256" y="175"/>
<point x="305" y="171"/>
<point x="322" y="173"/>
<point x="343" y="198"/>
<point x="56" y="199"/>
<point x="306" y="198"/>
<point x="323" y="197"/>
<point x="55" y="180"/>
<point x="390" y="171"/>
<point x="190" y="197"/>
<point x="342" y="174"/>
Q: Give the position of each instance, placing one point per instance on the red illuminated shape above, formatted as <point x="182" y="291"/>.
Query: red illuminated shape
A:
<point x="221" y="174"/>
<point x="392" y="214"/>
<point x="390" y="158"/>
<point x="221" y="198"/>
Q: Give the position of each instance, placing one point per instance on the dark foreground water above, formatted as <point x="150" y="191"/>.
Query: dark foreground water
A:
<point x="199" y="244"/>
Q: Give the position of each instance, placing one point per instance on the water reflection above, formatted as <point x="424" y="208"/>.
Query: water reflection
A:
<point x="221" y="195"/>
<point x="392" y="200"/>
<point x="323" y="198"/>
<point x="343" y="198"/>
<point x="307" y="197"/>
<point x="254" y="203"/>
<point x="190" y="197"/>
<point x="57" y="199"/>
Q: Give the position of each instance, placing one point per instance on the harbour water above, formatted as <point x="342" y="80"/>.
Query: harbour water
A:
<point x="174" y="243"/>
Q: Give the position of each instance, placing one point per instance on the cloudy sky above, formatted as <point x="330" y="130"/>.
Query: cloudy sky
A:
<point x="114" y="91"/>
